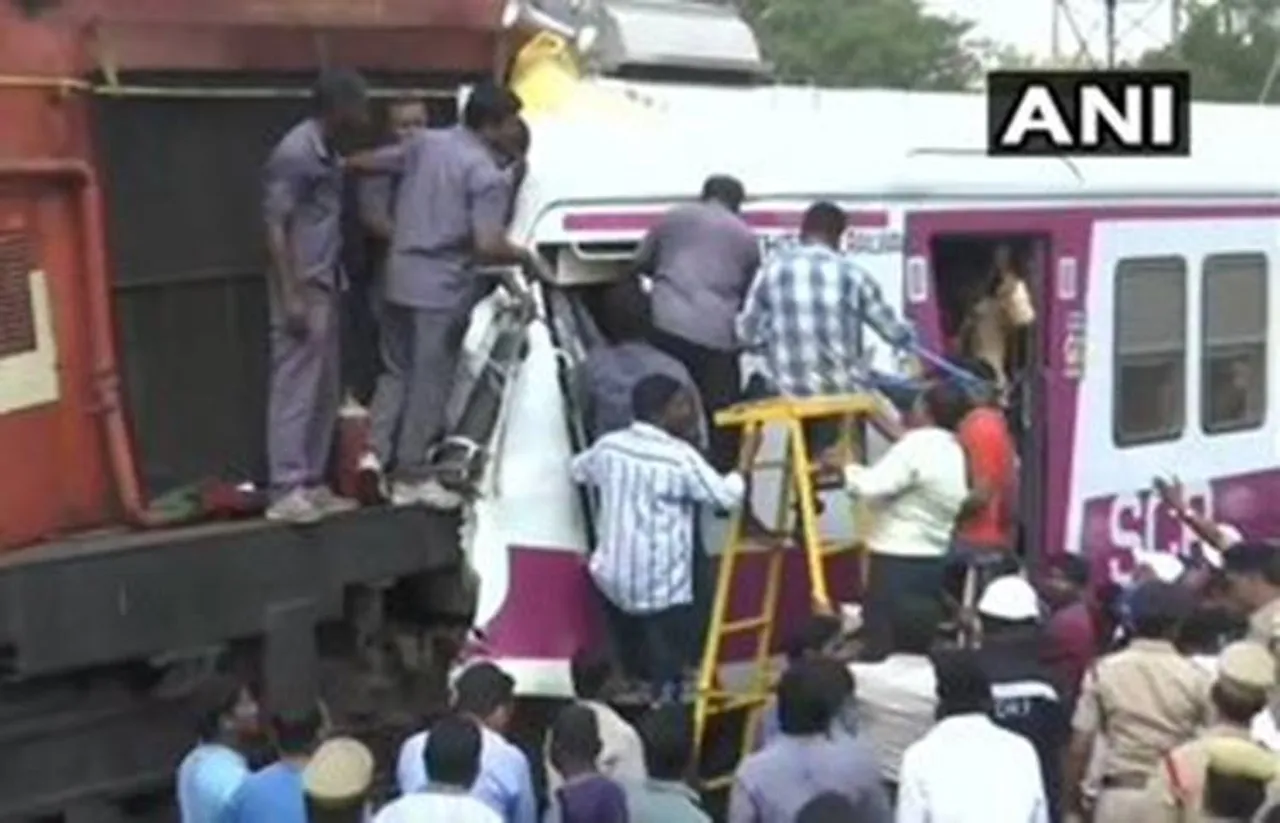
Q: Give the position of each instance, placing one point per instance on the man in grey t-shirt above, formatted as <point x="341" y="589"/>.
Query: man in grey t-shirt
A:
<point x="702" y="258"/>
<point x="450" y="220"/>
<point x="302" y="210"/>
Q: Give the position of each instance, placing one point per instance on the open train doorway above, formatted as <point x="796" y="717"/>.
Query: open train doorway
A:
<point x="989" y="290"/>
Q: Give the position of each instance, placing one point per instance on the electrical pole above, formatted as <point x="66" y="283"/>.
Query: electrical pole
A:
<point x="1111" y="32"/>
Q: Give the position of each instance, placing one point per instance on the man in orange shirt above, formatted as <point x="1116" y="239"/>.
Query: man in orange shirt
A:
<point x="986" y="531"/>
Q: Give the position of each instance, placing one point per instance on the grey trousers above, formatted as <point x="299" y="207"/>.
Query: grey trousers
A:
<point x="420" y="352"/>
<point x="305" y="392"/>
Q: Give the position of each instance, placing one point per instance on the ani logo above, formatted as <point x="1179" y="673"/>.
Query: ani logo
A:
<point x="1121" y="113"/>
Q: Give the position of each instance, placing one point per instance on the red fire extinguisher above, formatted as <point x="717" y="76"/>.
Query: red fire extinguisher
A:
<point x="353" y="446"/>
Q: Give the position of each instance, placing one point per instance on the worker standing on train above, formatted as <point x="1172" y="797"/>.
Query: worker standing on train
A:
<point x="376" y="202"/>
<point x="302" y="208"/>
<point x="451" y="217"/>
<point x="1140" y="702"/>
<point x="1181" y="787"/>
<point x="701" y="258"/>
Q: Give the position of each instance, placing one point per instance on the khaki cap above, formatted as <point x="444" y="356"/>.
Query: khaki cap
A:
<point x="1242" y="758"/>
<point x="341" y="770"/>
<point x="1248" y="665"/>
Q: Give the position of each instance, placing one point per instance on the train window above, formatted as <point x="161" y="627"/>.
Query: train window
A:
<point x="1233" y="353"/>
<point x="1149" y="398"/>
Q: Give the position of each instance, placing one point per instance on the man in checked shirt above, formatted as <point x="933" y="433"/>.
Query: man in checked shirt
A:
<point x="804" y="314"/>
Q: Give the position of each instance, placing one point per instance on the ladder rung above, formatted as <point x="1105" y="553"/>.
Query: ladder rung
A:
<point x="783" y="409"/>
<point x="745" y="625"/>
<point x="717" y="784"/>
<point x="727" y="702"/>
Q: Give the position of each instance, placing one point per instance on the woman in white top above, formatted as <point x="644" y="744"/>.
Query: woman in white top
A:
<point x="916" y="490"/>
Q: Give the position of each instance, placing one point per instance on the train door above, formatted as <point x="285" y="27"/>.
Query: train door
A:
<point x="950" y="265"/>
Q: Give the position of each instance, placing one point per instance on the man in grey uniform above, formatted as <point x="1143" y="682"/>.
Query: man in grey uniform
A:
<point x="451" y="215"/>
<point x="702" y="258"/>
<point x="373" y="207"/>
<point x="302" y="206"/>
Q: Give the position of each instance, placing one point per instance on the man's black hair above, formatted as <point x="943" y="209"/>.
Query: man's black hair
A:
<point x="1073" y="567"/>
<point x="452" y="753"/>
<point x="624" y="309"/>
<point x="575" y="736"/>
<point x="828" y="807"/>
<point x="1236" y="705"/>
<point x="1158" y="609"/>
<point x="962" y="684"/>
<point x="591" y="671"/>
<point x="523" y="137"/>
<point x="814" y="634"/>
<point x="947" y="404"/>
<point x="836" y="683"/>
<point x="652" y="395"/>
<point x="824" y="219"/>
<point x="724" y="189"/>
<point x="804" y="699"/>
<point x="913" y="625"/>
<point x="488" y="105"/>
<point x="296" y="734"/>
<point x="1203" y="631"/>
<point x="668" y="742"/>
<point x="338" y="90"/>
<point x="1253" y="559"/>
<point x="484" y="689"/>
<point x="217" y="700"/>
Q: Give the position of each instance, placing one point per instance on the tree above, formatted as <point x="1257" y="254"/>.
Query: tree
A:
<point x="1229" y="46"/>
<point x="993" y="55"/>
<point x="886" y="43"/>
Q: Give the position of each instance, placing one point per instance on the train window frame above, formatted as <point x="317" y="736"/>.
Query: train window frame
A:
<point x="1243" y="345"/>
<point x="1174" y="266"/>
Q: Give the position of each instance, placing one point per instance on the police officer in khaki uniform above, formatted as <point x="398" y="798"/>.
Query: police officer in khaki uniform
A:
<point x="1253" y="575"/>
<point x="337" y="782"/>
<point x="1176" y="793"/>
<point x="1142" y="702"/>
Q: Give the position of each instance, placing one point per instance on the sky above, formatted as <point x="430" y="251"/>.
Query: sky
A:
<point x="1028" y="24"/>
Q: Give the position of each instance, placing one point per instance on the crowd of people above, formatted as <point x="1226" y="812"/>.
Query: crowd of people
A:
<point x="1155" y="705"/>
<point x="974" y="689"/>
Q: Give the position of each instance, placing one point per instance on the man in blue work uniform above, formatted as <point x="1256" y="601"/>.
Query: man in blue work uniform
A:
<point x="302" y="206"/>
<point x="451" y="218"/>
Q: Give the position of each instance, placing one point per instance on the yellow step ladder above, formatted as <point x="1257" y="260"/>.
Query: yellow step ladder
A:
<point x="797" y="494"/>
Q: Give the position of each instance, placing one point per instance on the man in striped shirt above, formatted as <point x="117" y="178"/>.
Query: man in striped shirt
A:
<point x="650" y="482"/>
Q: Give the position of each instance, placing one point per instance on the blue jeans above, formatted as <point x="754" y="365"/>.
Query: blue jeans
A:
<point x="988" y="564"/>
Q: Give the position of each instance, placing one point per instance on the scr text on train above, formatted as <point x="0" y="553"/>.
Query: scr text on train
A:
<point x="1103" y="113"/>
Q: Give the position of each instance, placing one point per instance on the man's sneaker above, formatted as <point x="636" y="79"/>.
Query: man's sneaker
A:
<point x="326" y="502"/>
<point x="429" y="493"/>
<point x="295" y="507"/>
